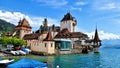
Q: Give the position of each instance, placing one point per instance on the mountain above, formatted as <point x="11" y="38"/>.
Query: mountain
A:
<point x="111" y="43"/>
<point x="6" y="26"/>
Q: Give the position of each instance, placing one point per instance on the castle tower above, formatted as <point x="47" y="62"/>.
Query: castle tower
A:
<point x="96" y="42"/>
<point x="22" y="28"/>
<point x="49" y="44"/>
<point x="68" y="22"/>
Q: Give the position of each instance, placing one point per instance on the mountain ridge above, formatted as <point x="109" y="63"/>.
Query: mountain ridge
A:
<point x="6" y="26"/>
<point x="111" y="43"/>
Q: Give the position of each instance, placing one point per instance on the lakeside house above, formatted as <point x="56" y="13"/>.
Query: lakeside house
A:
<point x="53" y="39"/>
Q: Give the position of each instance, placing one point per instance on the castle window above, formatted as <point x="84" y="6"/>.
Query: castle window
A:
<point x="51" y="44"/>
<point x="45" y="44"/>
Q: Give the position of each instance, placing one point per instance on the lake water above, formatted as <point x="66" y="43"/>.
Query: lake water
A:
<point x="107" y="58"/>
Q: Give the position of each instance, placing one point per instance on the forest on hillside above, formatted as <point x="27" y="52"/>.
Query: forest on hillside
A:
<point x="6" y="26"/>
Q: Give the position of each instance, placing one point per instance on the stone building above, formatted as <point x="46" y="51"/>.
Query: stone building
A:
<point x="46" y="39"/>
<point x="41" y="42"/>
<point x="68" y="31"/>
<point x="49" y="44"/>
<point x="22" y="28"/>
<point x="77" y="39"/>
<point x="38" y="42"/>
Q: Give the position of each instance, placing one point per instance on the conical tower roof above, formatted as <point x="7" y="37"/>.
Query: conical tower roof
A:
<point x="23" y="23"/>
<point x="96" y="37"/>
<point x="49" y="37"/>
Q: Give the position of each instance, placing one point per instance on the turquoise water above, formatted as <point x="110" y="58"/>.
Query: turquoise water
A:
<point x="107" y="58"/>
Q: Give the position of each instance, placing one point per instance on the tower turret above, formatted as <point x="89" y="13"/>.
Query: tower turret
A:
<point x="96" y="42"/>
<point x="69" y="22"/>
<point x="49" y="44"/>
<point x="96" y="37"/>
<point x="22" y="28"/>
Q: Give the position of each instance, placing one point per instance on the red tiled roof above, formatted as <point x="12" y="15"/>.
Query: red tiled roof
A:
<point x="32" y="36"/>
<point x="77" y="35"/>
<point x="65" y="31"/>
<point x="49" y="37"/>
<point x="66" y="34"/>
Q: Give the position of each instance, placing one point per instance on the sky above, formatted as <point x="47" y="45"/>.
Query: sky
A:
<point x="105" y="14"/>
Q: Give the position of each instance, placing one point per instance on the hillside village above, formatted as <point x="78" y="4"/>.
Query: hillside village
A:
<point x="53" y="40"/>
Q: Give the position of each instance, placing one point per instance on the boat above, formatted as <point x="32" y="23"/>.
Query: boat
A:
<point x="22" y="52"/>
<point x="27" y="63"/>
<point x="5" y="62"/>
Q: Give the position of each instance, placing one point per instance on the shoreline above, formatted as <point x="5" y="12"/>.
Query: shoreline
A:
<point x="83" y="50"/>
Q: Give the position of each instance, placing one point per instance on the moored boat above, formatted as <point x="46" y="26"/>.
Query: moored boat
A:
<point x="5" y="62"/>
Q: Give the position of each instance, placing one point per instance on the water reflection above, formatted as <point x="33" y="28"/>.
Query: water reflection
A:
<point x="90" y="60"/>
<point x="96" y="60"/>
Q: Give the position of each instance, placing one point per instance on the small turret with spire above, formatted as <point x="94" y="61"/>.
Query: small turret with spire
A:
<point x="96" y="42"/>
<point x="96" y="37"/>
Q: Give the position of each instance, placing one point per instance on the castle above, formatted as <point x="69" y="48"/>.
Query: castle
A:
<point x="54" y="39"/>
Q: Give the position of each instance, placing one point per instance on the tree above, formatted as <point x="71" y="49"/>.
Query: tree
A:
<point x="44" y="27"/>
<point x="18" y="42"/>
<point x="3" y="34"/>
<point x="12" y="41"/>
<point x="4" y="41"/>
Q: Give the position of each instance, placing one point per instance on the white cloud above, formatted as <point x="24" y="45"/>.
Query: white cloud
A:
<point x="76" y="8"/>
<point x="106" y="5"/>
<point x="35" y="22"/>
<point x="54" y="3"/>
<point x="103" y="35"/>
<point x="80" y="3"/>
<point x="11" y="16"/>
